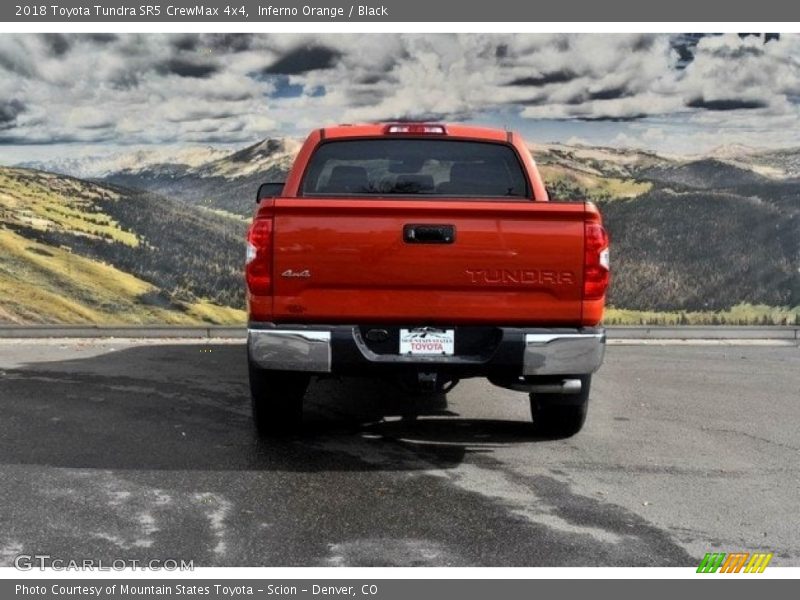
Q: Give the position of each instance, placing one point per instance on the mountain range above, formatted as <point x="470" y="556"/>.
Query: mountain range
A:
<point x="698" y="234"/>
<point x="97" y="166"/>
<point x="704" y="233"/>
<point x="75" y="251"/>
<point x="228" y="183"/>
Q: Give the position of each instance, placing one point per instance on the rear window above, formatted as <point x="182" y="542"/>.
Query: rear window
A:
<point x="408" y="167"/>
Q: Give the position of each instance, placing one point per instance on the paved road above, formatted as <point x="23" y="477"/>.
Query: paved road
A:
<point x="113" y="449"/>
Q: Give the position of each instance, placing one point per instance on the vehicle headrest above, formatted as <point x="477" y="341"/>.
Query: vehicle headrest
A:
<point x="347" y="179"/>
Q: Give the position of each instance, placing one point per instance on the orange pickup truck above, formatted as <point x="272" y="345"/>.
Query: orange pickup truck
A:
<point x="424" y="253"/>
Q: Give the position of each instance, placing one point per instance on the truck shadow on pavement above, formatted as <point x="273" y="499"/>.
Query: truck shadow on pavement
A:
<point x="187" y="406"/>
<point x="149" y="450"/>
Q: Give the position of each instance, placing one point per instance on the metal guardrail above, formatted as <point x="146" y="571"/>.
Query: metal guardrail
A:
<point x="120" y="331"/>
<point x="688" y="332"/>
<point x="706" y="332"/>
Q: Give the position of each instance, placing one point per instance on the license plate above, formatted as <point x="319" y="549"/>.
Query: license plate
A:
<point x="428" y="341"/>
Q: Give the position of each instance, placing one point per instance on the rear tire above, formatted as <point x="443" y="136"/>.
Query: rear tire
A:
<point x="559" y="416"/>
<point x="277" y="400"/>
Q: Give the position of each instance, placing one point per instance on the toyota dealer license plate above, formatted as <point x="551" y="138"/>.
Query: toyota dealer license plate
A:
<point x="427" y="340"/>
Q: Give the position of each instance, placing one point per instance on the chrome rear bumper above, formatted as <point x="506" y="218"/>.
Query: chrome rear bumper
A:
<point x="562" y="353"/>
<point x="290" y="350"/>
<point x="325" y="349"/>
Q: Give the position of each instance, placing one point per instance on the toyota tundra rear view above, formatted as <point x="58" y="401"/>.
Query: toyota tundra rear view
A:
<point x="424" y="254"/>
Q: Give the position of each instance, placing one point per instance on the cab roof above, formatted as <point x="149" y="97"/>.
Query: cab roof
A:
<point x="384" y="130"/>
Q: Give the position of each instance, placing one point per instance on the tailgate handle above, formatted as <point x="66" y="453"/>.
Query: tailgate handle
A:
<point x="429" y="234"/>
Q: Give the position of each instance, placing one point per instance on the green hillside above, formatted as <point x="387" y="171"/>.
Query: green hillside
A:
<point x="693" y="241"/>
<point x="564" y="183"/>
<point x="699" y="241"/>
<point x="77" y="252"/>
<point x="702" y="251"/>
<point x="597" y="174"/>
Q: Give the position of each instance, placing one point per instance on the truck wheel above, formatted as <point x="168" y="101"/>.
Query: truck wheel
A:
<point x="559" y="416"/>
<point x="277" y="400"/>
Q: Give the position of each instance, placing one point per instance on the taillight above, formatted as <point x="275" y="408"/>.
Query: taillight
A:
<point x="258" y="261"/>
<point x="595" y="263"/>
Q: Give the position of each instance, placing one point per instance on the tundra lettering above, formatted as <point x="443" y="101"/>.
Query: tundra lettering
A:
<point x="524" y="276"/>
<point x="423" y="254"/>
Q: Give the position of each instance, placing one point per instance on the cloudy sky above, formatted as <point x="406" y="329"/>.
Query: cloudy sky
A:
<point x="77" y="93"/>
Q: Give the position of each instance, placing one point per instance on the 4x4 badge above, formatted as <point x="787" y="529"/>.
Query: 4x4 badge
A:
<point x="289" y="273"/>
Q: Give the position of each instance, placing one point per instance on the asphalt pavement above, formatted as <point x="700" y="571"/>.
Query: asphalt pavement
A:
<point x="144" y="449"/>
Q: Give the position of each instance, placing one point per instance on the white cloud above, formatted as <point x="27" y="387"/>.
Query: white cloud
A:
<point x="154" y="88"/>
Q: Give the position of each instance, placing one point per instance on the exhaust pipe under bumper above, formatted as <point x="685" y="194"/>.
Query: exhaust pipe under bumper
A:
<point x="565" y="386"/>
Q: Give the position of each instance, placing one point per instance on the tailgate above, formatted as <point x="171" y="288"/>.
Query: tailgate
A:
<point x="361" y="261"/>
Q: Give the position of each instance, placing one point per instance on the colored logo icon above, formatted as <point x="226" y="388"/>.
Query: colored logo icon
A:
<point x="735" y="562"/>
